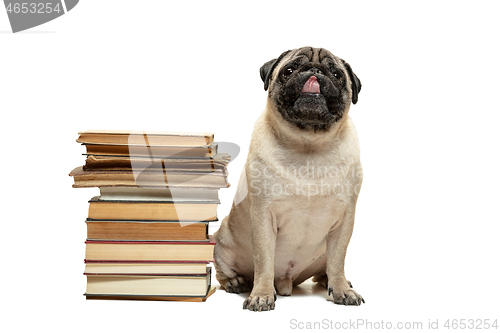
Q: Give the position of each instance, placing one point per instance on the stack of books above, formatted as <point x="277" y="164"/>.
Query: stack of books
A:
<point x="147" y="231"/>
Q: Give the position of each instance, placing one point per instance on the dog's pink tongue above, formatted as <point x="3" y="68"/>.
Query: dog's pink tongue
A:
<point x="311" y="86"/>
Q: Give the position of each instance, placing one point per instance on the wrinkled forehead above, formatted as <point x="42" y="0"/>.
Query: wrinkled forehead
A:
<point x="312" y="54"/>
<point x="306" y="55"/>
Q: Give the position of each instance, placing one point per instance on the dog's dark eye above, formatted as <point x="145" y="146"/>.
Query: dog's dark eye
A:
<point x="287" y="72"/>
<point x="339" y="76"/>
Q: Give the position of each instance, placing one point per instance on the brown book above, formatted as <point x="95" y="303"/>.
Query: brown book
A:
<point x="148" y="178"/>
<point x="154" y="298"/>
<point x="152" y="210"/>
<point x="149" y="285"/>
<point x="153" y="138"/>
<point x="152" y="151"/>
<point x="146" y="230"/>
<point x="107" y="162"/>
<point x="149" y="251"/>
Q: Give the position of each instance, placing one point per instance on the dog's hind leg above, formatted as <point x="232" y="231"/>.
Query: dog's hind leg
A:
<point x="226" y="266"/>
<point x="283" y="286"/>
<point x="322" y="279"/>
<point x="232" y="283"/>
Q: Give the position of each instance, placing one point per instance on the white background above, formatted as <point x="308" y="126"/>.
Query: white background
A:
<point x="425" y="244"/>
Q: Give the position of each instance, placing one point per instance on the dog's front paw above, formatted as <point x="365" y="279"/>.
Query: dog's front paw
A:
<point x="260" y="302"/>
<point x="343" y="293"/>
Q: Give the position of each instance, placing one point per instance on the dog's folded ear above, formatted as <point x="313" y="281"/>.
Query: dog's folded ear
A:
<point x="266" y="71"/>
<point x="355" y="82"/>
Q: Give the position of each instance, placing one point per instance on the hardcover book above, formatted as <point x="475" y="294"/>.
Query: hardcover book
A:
<point x="152" y="210"/>
<point x="160" y="285"/>
<point x="150" y="251"/>
<point x="153" y="138"/>
<point x="146" y="230"/>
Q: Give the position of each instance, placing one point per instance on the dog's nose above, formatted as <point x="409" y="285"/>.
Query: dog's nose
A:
<point x="316" y="70"/>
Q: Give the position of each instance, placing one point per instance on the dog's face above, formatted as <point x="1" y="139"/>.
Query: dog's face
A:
<point x="310" y="87"/>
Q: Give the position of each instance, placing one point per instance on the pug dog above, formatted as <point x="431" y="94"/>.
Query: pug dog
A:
<point x="293" y="213"/>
